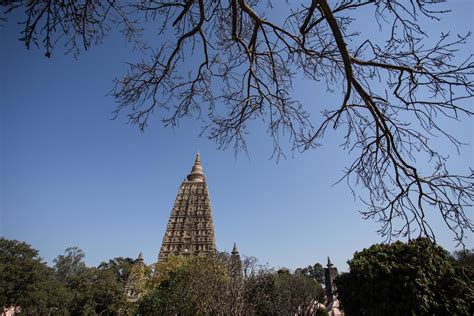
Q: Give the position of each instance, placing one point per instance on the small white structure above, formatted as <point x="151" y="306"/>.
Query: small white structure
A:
<point x="11" y="310"/>
<point x="333" y="308"/>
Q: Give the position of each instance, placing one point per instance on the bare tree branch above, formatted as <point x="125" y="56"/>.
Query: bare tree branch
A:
<point x="230" y="64"/>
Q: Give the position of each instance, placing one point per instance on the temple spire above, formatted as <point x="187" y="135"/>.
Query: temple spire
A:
<point x="235" y="265"/>
<point x="234" y="250"/>
<point x="196" y="174"/>
<point x="134" y="288"/>
<point x="330" y="274"/>
<point x="190" y="230"/>
<point x="329" y="262"/>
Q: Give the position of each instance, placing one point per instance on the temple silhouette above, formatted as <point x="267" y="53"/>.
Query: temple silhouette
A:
<point x="190" y="230"/>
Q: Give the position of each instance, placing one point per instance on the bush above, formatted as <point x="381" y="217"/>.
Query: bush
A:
<point x="414" y="278"/>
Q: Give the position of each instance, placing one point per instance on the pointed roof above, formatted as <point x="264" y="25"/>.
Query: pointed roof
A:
<point x="196" y="174"/>
<point x="140" y="258"/>
<point x="234" y="250"/>
<point x="329" y="262"/>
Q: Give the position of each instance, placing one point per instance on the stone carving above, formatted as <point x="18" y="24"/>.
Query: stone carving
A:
<point x="135" y="286"/>
<point x="190" y="217"/>
<point x="332" y="302"/>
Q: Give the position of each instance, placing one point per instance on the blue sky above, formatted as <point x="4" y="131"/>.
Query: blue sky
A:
<point x="71" y="176"/>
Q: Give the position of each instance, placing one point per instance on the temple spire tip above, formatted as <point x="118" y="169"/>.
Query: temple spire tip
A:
<point x="234" y="249"/>
<point x="196" y="174"/>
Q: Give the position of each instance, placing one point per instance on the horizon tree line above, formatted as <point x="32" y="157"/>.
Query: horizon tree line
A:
<point x="416" y="277"/>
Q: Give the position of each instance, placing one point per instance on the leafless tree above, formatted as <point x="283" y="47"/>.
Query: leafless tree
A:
<point x="79" y="24"/>
<point x="230" y="63"/>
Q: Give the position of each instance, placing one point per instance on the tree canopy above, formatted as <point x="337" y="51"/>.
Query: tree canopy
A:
<point x="70" y="287"/>
<point x="414" y="278"/>
<point x="204" y="285"/>
<point x="70" y="264"/>
<point x="176" y="285"/>
<point x="26" y="281"/>
<point x="281" y="293"/>
<point x="193" y="286"/>
<point x="234" y="61"/>
<point x="315" y="272"/>
<point x="93" y="290"/>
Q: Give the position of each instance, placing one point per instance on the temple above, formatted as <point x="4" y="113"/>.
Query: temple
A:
<point x="330" y="274"/>
<point x="136" y="280"/>
<point x="235" y="264"/>
<point x="190" y="230"/>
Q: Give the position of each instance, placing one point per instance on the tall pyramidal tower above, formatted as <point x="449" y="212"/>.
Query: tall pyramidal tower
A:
<point x="190" y="231"/>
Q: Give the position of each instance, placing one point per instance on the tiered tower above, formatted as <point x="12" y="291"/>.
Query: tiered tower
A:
<point x="136" y="280"/>
<point x="235" y="264"/>
<point x="237" y="282"/>
<point x="190" y="231"/>
<point x="330" y="274"/>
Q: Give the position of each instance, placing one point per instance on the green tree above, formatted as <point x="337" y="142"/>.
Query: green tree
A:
<point x="231" y="62"/>
<point x="315" y="272"/>
<point x="140" y="274"/>
<point x="164" y="268"/>
<point x="93" y="290"/>
<point x="260" y="294"/>
<point x="26" y="281"/>
<point x="280" y="293"/>
<point x="69" y="264"/>
<point x="414" y="278"/>
<point x="189" y="287"/>
<point x="120" y="266"/>
<point x="96" y="291"/>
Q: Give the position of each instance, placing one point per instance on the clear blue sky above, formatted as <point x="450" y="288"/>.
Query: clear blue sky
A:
<point x="71" y="176"/>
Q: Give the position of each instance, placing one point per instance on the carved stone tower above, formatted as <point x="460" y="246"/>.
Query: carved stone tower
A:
<point x="136" y="280"/>
<point x="237" y="282"/>
<point x="235" y="264"/>
<point x="190" y="231"/>
<point x="330" y="276"/>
